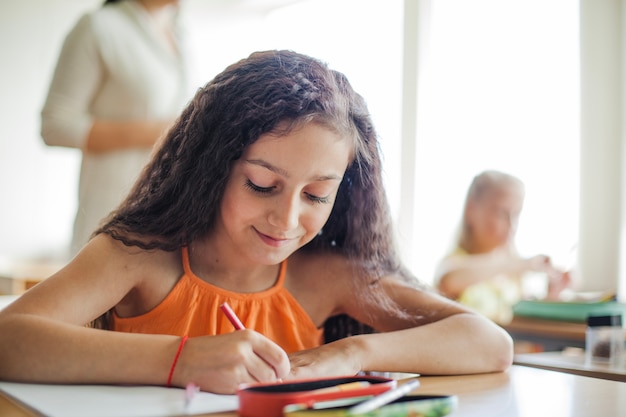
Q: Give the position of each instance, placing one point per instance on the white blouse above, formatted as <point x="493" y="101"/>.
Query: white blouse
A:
<point x="114" y="65"/>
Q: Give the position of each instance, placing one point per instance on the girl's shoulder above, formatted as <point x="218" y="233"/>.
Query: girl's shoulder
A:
<point x="145" y="276"/>
<point x="130" y="263"/>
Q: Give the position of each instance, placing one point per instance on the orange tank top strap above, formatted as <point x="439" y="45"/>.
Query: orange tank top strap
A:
<point x="186" y="266"/>
<point x="280" y="280"/>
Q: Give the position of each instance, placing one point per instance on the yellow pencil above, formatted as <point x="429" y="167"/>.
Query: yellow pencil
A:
<point x="342" y="387"/>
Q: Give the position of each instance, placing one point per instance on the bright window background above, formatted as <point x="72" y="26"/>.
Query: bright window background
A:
<point x="500" y="92"/>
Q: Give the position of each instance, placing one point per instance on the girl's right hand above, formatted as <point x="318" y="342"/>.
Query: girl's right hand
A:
<point x="220" y="363"/>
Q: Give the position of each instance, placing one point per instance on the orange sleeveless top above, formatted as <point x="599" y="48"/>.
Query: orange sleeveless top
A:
<point x="192" y="308"/>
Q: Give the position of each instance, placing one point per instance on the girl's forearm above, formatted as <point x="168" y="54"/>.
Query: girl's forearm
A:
<point x="34" y="349"/>
<point x="460" y="344"/>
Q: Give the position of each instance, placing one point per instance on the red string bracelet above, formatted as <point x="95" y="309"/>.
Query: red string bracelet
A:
<point x="180" y="349"/>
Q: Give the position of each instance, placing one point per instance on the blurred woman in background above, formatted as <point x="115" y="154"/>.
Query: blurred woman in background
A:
<point x="119" y="83"/>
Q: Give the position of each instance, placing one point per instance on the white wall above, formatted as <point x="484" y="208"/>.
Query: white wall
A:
<point x="498" y="90"/>
<point x="37" y="183"/>
<point x="603" y="186"/>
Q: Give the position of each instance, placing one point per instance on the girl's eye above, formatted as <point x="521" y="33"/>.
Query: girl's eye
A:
<point x="258" y="189"/>
<point x="318" y="200"/>
<point x="267" y="190"/>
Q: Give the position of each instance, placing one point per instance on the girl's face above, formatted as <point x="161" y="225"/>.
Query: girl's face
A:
<point x="493" y="219"/>
<point x="281" y="192"/>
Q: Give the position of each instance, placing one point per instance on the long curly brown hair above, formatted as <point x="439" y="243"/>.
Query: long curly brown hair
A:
<point x="178" y="195"/>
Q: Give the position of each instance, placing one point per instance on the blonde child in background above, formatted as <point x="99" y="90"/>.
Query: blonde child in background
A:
<point x="485" y="271"/>
<point x="267" y="194"/>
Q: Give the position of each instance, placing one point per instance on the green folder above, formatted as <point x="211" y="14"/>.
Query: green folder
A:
<point x="567" y="311"/>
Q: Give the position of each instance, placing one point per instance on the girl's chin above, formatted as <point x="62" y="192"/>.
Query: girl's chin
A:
<point x="269" y="260"/>
<point x="269" y="255"/>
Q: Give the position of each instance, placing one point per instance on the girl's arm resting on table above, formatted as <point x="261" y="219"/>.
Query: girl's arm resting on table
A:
<point x="460" y="344"/>
<point x="437" y="336"/>
<point x="36" y="349"/>
<point x="40" y="350"/>
<point x="43" y="337"/>
<point x="463" y="343"/>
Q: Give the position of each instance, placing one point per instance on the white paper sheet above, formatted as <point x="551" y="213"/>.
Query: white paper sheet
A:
<point x="115" y="401"/>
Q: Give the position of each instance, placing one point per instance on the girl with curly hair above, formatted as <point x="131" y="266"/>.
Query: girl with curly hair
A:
<point x="267" y="195"/>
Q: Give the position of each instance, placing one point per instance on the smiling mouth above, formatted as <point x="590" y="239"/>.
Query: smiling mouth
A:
<point x="272" y="241"/>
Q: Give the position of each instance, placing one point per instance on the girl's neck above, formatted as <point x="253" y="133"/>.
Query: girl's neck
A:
<point x="229" y="271"/>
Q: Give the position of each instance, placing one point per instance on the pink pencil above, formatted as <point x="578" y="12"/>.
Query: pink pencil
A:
<point x="190" y="392"/>
<point x="232" y="317"/>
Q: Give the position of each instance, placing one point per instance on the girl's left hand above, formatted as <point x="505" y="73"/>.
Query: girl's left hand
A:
<point x="332" y="359"/>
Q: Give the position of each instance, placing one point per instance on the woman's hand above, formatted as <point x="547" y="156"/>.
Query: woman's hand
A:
<point x="220" y="363"/>
<point x="332" y="359"/>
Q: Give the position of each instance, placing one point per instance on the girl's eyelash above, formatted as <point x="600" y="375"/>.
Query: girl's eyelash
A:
<point x="257" y="189"/>
<point x="266" y="190"/>
<point x="318" y="200"/>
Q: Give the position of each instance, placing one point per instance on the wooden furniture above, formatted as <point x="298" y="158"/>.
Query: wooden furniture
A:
<point x="520" y="392"/>
<point x="547" y="335"/>
<point x="571" y="361"/>
<point x="554" y="326"/>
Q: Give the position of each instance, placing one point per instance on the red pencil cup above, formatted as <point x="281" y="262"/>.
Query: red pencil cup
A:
<point x="268" y="400"/>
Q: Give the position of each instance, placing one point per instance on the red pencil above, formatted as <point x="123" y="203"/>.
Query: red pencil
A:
<point x="232" y="317"/>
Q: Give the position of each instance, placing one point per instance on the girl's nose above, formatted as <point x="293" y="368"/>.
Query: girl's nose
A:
<point x="285" y="214"/>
